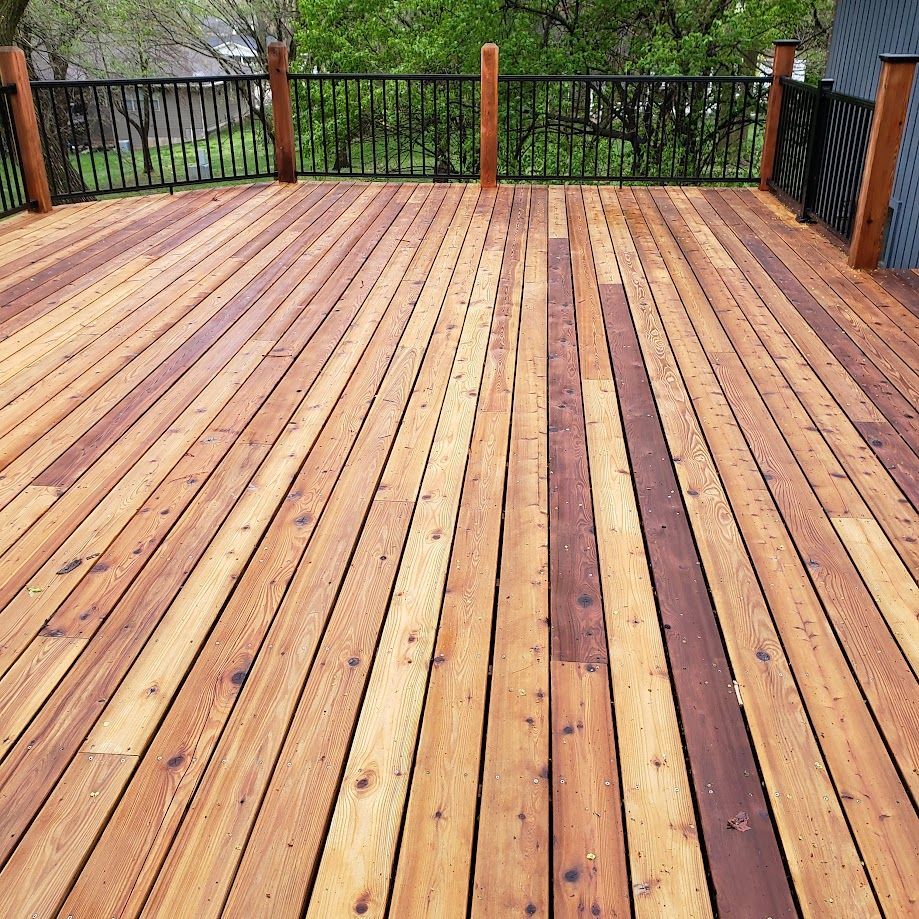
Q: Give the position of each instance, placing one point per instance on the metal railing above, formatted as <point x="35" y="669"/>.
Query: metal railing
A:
<point x="103" y="136"/>
<point x="13" y="195"/>
<point x="386" y="125"/>
<point x="631" y="128"/>
<point x="820" y="152"/>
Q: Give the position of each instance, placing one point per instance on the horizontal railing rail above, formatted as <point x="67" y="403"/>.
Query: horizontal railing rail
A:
<point x="631" y="128"/>
<point x="107" y="136"/>
<point x="820" y="152"/>
<point x="375" y="125"/>
<point x="13" y="196"/>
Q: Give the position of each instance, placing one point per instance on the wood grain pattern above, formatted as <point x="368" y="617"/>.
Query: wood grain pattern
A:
<point x="425" y="550"/>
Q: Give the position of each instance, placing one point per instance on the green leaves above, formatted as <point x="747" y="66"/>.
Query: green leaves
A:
<point x="546" y="36"/>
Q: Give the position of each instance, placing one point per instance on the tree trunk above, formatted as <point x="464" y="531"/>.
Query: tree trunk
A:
<point x="54" y="112"/>
<point x="11" y="12"/>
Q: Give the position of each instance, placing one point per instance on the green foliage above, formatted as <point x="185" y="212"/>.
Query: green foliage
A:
<point x="692" y="37"/>
<point x="584" y="128"/>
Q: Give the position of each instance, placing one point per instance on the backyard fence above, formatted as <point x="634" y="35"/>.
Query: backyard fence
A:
<point x="102" y="136"/>
<point x="631" y="129"/>
<point x="386" y="125"/>
<point x="820" y="152"/>
<point x="831" y="155"/>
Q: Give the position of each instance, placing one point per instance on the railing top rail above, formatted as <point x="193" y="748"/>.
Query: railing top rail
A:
<point x="471" y="77"/>
<point x="811" y="89"/>
<point x="506" y="78"/>
<point x="628" y="78"/>
<point x="8" y="89"/>
<point x="851" y="100"/>
<point x="798" y="84"/>
<point x="151" y="81"/>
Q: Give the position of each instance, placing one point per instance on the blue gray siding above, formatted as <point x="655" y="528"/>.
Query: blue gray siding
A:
<point x="864" y="29"/>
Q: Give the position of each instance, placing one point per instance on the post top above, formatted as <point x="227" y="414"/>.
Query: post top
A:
<point x="900" y="58"/>
<point x="787" y="41"/>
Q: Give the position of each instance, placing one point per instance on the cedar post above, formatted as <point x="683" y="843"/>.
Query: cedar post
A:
<point x="13" y="72"/>
<point x="890" y="108"/>
<point x="783" y="65"/>
<point x="488" y="113"/>
<point x="283" y="117"/>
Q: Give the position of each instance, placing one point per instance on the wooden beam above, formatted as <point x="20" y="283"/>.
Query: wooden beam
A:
<point x="283" y="118"/>
<point x="890" y="108"/>
<point x="783" y="63"/>
<point x="488" y="113"/>
<point x="13" y="72"/>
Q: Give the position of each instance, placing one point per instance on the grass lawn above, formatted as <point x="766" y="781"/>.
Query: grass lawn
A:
<point x="228" y="154"/>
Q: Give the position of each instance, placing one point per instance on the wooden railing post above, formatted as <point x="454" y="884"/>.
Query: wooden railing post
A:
<point x="783" y="65"/>
<point x="13" y="72"/>
<point x="890" y="108"/>
<point x="283" y="116"/>
<point x="488" y="113"/>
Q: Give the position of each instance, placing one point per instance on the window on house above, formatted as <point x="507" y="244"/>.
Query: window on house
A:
<point x="132" y="104"/>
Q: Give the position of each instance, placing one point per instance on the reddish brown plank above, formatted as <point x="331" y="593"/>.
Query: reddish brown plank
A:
<point x="576" y="612"/>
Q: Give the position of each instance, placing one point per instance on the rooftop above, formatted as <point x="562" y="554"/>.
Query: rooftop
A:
<point x="426" y="549"/>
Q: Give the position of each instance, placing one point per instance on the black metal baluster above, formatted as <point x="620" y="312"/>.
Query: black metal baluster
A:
<point x="360" y="125"/>
<point x="101" y="124"/>
<point x="334" y="84"/>
<point x="436" y="126"/>
<point x="396" y="82"/>
<point x="309" y="117"/>
<point x="268" y="151"/>
<point x="156" y="129"/>
<point x="182" y="146"/>
<point x="218" y="131"/>
<point x="814" y="150"/>
<point x="231" y="139"/>
<point x="411" y="137"/>
<point x="322" y="120"/>
<point x="384" y="120"/>
<point x="75" y="140"/>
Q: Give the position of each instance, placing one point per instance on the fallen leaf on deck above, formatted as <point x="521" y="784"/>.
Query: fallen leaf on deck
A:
<point x="74" y="563"/>
<point x="739" y="822"/>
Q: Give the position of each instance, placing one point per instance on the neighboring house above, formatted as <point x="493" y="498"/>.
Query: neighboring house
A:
<point x="188" y="111"/>
<point x="171" y="112"/>
<point x="863" y="29"/>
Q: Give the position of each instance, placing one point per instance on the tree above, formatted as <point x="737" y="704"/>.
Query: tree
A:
<point x="588" y="121"/>
<point x="11" y="13"/>
<point x="698" y="37"/>
<point x="90" y="38"/>
<point x="194" y="24"/>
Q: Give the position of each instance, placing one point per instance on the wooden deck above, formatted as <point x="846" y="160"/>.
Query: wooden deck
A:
<point x="421" y="550"/>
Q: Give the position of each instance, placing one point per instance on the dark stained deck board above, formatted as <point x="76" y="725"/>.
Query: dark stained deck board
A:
<point x="215" y="481"/>
<point x="587" y="806"/>
<point x="576" y="612"/>
<point x="724" y="770"/>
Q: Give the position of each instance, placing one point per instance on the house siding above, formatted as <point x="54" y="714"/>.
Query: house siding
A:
<point x="862" y="30"/>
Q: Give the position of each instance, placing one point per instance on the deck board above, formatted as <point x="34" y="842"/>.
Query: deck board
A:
<point x="412" y="550"/>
